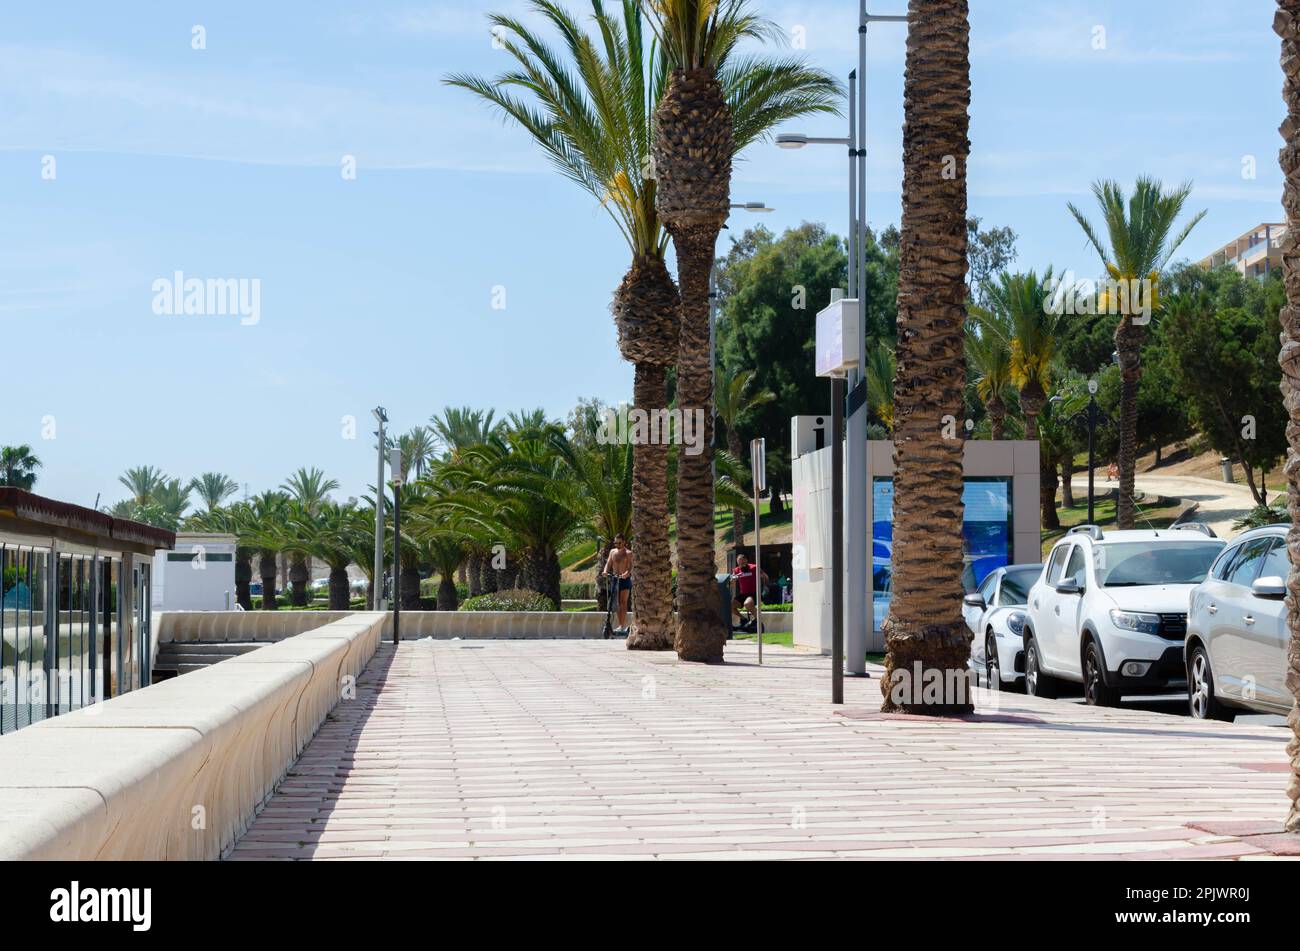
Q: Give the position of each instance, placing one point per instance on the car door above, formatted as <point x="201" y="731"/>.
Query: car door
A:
<point x="1208" y="605"/>
<point x="1069" y="608"/>
<point x="974" y="615"/>
<point x="1048" y="629"/>
<point x="1265" y="635"/>
<point x="1232" y="631"/>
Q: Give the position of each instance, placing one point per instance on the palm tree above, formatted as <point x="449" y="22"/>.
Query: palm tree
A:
<point x="1287" y="25"/>
<point x="595" y="119"/>
<point x="925" y="635"/>
<point x="328" y="534"/>
<point x="417" y="448"/>
<point x="1141" y="242"/>
<point x="213" y="488"/>
<point x="735" y="402"/>
<point x="459" y="428"/>
<point x="1020" y="311"/>
<point x="309" y="489"/>
<point x="990" y="362"/>
<point x="143" y="482"/>
<point x="605" y="472"/>
<point x="264" y="525"/>
<point x="18" y="467"/>
<point x="698" y="131"/>
<point x="882" y="365"/>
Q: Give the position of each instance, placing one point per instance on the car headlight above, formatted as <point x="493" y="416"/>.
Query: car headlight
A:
<point x="1016" y="623"/>
<point x="1136" y="621"/>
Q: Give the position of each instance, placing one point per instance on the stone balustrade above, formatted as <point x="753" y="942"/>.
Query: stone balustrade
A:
<point x="178" y="769"/>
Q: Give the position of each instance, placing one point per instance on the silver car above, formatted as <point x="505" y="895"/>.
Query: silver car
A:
<point x="1237" y="632"/>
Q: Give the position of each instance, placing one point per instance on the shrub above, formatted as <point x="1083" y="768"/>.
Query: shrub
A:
<point x="516" y="600"/>
<point x="578" y="591"/>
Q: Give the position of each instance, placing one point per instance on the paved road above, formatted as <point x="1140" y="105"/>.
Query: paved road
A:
<point x="1221" y="503"/>
<point x="582" y="750"/>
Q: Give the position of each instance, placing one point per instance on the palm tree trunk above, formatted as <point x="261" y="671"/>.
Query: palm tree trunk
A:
<point x="409" y="587"/>
<point x="1128" y="344"/>
<point x="1047" y="479"/>
<point x="340" y="589"/>
<point x="267" y="567"/>
<point x="475" y="574"/>
<point x="928" y="644"/>
<point x="997" y="410"/>
<point x="700" y="633"/>
<point x="1287" y="25"/>
<point x="299" y="575"/>
<point x="447" y="594"/>
<point x="1032" y="399"/>
<point x="651" y="566"/>
<point x="243" y="577"/>
<point x="1067" y="481"/>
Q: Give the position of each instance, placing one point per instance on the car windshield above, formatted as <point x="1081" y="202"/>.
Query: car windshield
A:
<point x="1129" y="564"/>
<point x="1016" y="585"/>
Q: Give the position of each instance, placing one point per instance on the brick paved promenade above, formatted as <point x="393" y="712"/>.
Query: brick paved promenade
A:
<point x="582" y="749"/>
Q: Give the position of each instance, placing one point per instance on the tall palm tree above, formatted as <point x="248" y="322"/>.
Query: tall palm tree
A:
<point x="1140" y="241"/>
<point x="328" y="533"/>
<point x="231" y="521"/>
<point x="143" y="482"/>
<point x="1287" y="25"/>
<point x="418" y="447"/>
<point x="990" y="363"/>
<point x="1019" y="311"/>
<point x="925" y="635"/>
<point x="593" y="113"/>
<point x="882" y="365"/>
<point x="698" y="131"/>
<point x="460" y="427"/>
<point x="18" y="467"/>
<point x="735" y="400"/>
<point x="213" y="488"/>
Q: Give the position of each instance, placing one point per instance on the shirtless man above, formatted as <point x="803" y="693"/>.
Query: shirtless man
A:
<point x="619" y="566"/>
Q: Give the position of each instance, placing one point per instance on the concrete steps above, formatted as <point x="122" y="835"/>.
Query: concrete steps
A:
<point x="175" y="659"/>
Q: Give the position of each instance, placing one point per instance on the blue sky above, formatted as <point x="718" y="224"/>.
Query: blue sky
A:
<point x="225" y="162"/>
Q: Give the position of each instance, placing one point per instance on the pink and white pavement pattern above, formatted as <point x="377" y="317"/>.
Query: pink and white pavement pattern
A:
<point x="584" y="750"/>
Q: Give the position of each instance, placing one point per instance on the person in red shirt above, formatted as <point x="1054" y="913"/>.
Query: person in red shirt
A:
<point x="744" y="577"/>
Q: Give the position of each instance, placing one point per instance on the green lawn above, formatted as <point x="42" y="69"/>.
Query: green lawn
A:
<point x="779" y="638"/>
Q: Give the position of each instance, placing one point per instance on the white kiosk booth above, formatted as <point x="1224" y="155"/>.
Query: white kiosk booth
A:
<point x="197" y="575"/>
<point x="1002" y="526"/>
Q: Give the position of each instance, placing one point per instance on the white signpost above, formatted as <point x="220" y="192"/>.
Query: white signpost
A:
<point x="839" y="331"/>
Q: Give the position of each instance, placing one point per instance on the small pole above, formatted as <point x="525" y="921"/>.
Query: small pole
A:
<point x="758" y="466"/>
<point x="1092" y="434"/>
<point x="395" y="465"/>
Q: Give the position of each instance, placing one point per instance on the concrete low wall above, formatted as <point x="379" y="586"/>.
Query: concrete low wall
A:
<point x="176" y="770"/>
<point x="270" y="626"/>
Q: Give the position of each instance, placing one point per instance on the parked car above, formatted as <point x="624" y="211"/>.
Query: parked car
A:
<point x="1237" y="632"/>
<point x="995" y="614"/>
<point x="1110" y="611"/>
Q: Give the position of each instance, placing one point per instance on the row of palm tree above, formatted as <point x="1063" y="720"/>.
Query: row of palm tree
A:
<point x="497" y="507"/>
<point x="648" y="122"/>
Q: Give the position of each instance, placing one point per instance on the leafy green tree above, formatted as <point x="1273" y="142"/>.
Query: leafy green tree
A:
<point x="1224" y="362"/>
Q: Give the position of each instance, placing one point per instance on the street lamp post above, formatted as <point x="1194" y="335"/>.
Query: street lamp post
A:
<point x="856" y="514"/>
<point x="395" y="466"/>
<point x="1093" y="416"/>
<point x="377" y="583"/>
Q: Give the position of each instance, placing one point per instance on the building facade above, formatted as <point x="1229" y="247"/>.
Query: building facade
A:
<point x="1254" y="254"/>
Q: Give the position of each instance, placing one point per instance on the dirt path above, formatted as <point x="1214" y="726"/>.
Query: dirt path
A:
<point x="1220" y="503"/>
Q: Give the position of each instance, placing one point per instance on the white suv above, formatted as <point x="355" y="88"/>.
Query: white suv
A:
<point x="1110" y="611"/>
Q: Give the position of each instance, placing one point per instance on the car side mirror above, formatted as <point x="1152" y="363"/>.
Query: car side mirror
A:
<point x="974" y="600"/>
<point x="1068" y="586"/>
<point x="1270" y="587"/>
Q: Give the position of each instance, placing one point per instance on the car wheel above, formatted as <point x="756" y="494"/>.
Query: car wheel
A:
<point x="1037" y="683"/>
<point x="1095" y="691"/>
<point x="992" y="673"/>
<point x="1201" y="699"/>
